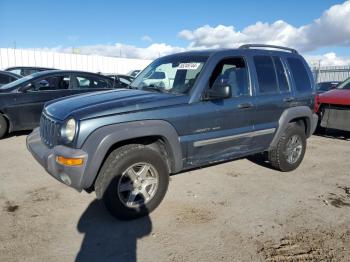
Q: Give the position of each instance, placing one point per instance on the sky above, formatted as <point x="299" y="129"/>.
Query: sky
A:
<point x="319" y="29"/>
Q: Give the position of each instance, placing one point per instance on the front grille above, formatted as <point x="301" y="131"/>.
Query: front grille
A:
<point x="49" y="131"/>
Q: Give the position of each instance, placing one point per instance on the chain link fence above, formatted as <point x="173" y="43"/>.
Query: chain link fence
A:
<point x="331" y="73"/>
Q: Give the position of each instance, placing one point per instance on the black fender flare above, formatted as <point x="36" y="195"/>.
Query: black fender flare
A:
<point x="294" y="113"/>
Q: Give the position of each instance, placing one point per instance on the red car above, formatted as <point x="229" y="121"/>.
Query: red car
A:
<point x="333" y="107"/>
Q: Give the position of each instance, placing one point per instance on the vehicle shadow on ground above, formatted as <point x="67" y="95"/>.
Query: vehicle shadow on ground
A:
<point x="333" y="133"/>
<point x="261" y="160"/>
<point x="108" y="239"/>
<point x="17" y="133"/>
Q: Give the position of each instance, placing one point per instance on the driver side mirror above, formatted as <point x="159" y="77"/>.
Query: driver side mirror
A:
<point x="218" y="91"/>
<point x="43" y="84"/>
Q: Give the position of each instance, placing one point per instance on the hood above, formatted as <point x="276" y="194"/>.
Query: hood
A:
<point x="119" y="101"/>
<point x="336" y="96"/>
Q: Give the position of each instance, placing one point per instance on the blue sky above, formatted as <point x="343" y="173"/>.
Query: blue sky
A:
<point x="65" y="24"/>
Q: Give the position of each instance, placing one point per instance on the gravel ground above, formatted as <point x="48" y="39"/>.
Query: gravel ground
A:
<point x="237" y="211"/>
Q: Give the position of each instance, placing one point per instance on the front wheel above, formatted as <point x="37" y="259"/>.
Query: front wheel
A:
<point x="290" y="149"/>
<point x="133" y="181"/>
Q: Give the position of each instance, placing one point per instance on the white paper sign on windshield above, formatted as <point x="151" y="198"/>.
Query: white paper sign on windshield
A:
<point x="188" y="66"/>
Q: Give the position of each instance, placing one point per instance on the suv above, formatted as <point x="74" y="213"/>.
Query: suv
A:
<point x="222" y="105"/>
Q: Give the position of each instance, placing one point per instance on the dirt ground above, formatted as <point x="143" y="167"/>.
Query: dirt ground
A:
<point x="237" y="211"/>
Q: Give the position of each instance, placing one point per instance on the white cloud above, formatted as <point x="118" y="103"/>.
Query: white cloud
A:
<point x="331" y="29"/>
<point x="147" y="38"/>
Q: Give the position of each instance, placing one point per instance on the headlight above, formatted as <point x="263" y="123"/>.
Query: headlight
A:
<point x="68" y="131"/>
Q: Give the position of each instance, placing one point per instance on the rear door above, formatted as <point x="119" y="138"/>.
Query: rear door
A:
<point x="273" y="96"/>
<point x="223" y="128"/>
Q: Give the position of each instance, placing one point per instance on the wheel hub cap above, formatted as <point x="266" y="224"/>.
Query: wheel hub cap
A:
<point x="294" y="149"/>
<point x="138" y="184"/>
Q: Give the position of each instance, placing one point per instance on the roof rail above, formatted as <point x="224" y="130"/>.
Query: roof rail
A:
<point x="248" y="46"/>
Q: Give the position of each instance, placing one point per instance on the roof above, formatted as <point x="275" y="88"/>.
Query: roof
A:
<point x="51" y="72"/>
<point x="10" y="74"/>
<point x="254" y="48"/>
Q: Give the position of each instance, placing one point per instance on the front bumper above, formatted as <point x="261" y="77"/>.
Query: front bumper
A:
<point x="69" y="175"/>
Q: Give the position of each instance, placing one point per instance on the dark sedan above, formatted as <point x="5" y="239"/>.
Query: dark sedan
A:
<point x="21" y="101"/>
<point x="8" y="77"/>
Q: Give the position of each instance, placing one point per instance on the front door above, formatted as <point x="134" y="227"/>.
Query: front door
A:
<point x="223" y="128"/>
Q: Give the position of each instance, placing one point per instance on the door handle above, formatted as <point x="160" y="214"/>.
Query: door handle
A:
<point x="245" y="105"/>
<point x="288" y="99"/>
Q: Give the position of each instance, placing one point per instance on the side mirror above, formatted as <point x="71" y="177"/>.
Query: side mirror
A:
<point x="218" y="91"/>
<point x="43" y="84"/>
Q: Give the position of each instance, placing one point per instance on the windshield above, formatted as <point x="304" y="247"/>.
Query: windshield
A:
<point x="175" y="74"/>
<point x="16" y="83"/>
<point x="345" y="84"/>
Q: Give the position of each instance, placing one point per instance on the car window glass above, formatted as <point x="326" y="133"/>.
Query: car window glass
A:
<point x="91" y="82"/>
<point x="50" y="83"/>
<point x="299" y="73"/>
<point x="4" y="79"/>
<point x="281" y="75"/>
<point x="232" y="72"/>
<point x="345" y="84"/>
<point x="266" y="74"/>
<point x="28" y="71"/>
<point x="175" y="74"/>
<point x="124" y="80"/>
<point x="15" y="71"/>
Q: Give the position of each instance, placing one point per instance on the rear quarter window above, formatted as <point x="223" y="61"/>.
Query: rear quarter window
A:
<point x="299" y="74"/>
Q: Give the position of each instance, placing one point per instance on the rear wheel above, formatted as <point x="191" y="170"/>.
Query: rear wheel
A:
<point x="3" y="126"/>
<point x="290" y="149"/>
<point x="133" y="181"/>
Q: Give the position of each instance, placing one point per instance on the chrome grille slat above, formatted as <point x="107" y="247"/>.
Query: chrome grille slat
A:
<point x="49" y="130"/>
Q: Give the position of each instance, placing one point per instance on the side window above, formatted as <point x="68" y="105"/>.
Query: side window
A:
<point x="281" y="75"/>
<point x="28" y="71"/>
<point x="91" y="82"/>
<point x="12" y="79"/>
<point x="50" y="83"/>
<point x="15" y="71"/>
<point x="266" y="74"/>
<point x="232" y="72"/>
<point x="299" y="73"/>
<point x="4" y="79"/>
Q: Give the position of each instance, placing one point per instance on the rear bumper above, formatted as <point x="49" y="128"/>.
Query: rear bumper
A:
<point x="336" y="118"/>
<point x="69" y="175"/>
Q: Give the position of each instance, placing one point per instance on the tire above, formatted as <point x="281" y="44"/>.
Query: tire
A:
<point x="115" y="186"/>
<point x="3" y="126"/>
<point x="278" y="156"/>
